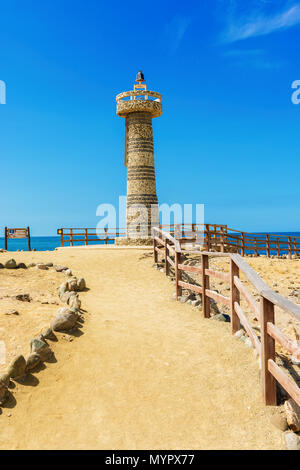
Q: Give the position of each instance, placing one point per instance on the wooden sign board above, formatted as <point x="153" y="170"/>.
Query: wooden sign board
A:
<point x="14" y="233"/>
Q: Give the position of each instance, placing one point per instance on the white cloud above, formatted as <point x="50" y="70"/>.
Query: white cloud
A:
<point x="175" y="31"/>
<point x="260" y="25"/>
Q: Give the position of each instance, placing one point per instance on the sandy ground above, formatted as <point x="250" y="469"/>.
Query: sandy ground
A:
<point x="33" y="316"/>
<point x="146" y="372"/>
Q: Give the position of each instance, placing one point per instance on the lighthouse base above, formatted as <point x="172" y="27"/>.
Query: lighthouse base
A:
<point x="124" y="241"/>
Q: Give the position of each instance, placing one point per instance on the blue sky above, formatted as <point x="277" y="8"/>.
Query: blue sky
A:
<point x="228" y="137"/>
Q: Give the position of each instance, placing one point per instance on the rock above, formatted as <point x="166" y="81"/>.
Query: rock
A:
<point x="12" y="312"/>
<point x="65" y="320"/>
<point x="238" y="334"/>
<point x="49" y="265"/>
<point x="31" y="265"/>
<point x="69" y="296"/>
<point x="48" y="334"/>
<point x="32" y="361"/>
<point x="248" y="343"/>
<point x="62" y="289"/>
<point x="4" y="379"/>
<point x="221" y="317"/>
<point x="17" y="367"/>
<point x="74" y="302"/>
<point x="42" y="266"/>
<point x="59" y="269"/>
<point x="22" y="297"/>
<point x="291" y="441"/>
<point x="11" y="264"/>
<point x="81" y="284"/>
<point x="41" y="348"/>
<point x="22" y="266"/>
<point x="292" y="411"/>
<point x="279" y="421"/>
<point x="1" y="266"/>
<point x="3" y="394"/>
<point x="72" y="284"/>
<point x="295" y="359"/>
<point x="68" y="272"/>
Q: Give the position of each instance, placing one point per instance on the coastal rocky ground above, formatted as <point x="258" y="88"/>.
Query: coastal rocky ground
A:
<point x="146" y="372"/>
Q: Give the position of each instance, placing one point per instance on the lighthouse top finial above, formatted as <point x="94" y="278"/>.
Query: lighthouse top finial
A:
<point x="140" y="77"/>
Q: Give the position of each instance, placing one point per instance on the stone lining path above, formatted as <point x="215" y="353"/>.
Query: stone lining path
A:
<point x="147" y="372"/>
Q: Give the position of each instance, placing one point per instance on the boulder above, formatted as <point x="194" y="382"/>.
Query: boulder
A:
<point x="68" y="272"/>
<point x="292" y="411"/>
<point x="31" y="265"/>
<point x="11" y="264"/>
<point x="22" y="297"/>
<point x="74" y="302"/>
<point x="81" y="285"/>
<point x="17" y="367"/>
<point x="221" y="317"/>
<point x="22" y="266"/>
<point x="32" y="361"/>
<point x="67" y="295"/>
<point x="41" y="348"/>
<point x="291" y="441"/>
<point x="59" y="269"/>
<point x="49" y="265"/>
<point x="64" y="320"/>
<point x="279" y="421"/>
<point x="42" y="266"/>
<point x="4" y="379"/>
<point x="48" y="334"/>
<point x="3" y="394"/>
<point x="1" y="266"/>
<point x="72" y="284"/>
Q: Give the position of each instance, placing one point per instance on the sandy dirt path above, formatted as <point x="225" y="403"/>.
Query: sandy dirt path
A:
<point x="146" y="373"/>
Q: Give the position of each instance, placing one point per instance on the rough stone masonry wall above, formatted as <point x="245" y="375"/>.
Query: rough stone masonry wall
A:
<point x="141" y="186"/>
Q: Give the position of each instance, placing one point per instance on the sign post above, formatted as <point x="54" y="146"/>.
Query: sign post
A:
<point x="17" y="233"/>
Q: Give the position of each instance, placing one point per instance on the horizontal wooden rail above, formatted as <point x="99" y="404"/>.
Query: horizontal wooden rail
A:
<point x="247" y="296"/>
<point x="289" y="385"/>
<point x="217" y="297"/>
<point x="291" y="346"/>
<point x="246" y="324"/>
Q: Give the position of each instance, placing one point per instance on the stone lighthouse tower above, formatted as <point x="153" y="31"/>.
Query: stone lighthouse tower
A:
<point x="139" y="106"/>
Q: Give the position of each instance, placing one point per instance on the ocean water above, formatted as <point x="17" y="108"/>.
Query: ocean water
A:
<point x="50" y="243"/>
<point x="39" y="243"/>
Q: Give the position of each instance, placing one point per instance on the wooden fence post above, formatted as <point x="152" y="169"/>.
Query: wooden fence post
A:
<point x="267" y="352"/>
<point x="222" y="240"/>
<point x="205" y="285"/>
<point x="155" y="254"/>
<point x="85" y="236"/>
<point x="62" y="237"/>
<point x="5" y="238"/>
<point x="290" y="247"/>
<point x="71" y="236"/>
<point x="177" y="274"/>
<point x="166" y="257"/>
<point x="268" y="245"/>
<point x="29" y="241"/>
<point x="278" y="249"/>
<point x="207" y="233"/>
<point x="255" y="246"/>
<point x="105" y="235"/>
<point x="234" y="297"/>
<point x="243" y="243"/>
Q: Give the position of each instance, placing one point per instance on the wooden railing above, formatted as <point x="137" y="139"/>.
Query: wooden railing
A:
<point x="86" y="235"/>
<point x="222" y="238"/>
<point x="211" y="236"/>
<point x="167" y="246"/>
